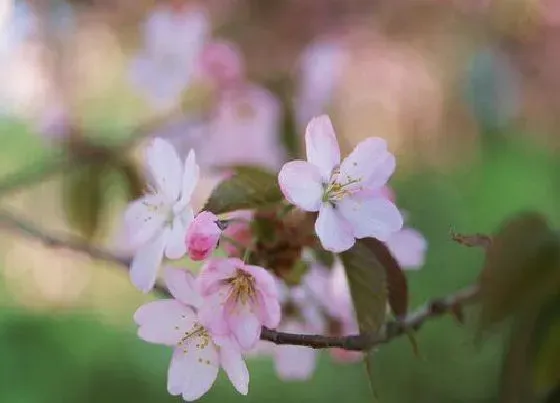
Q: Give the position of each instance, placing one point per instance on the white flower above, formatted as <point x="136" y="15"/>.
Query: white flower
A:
<point x="157" y="223"/>
<point x="344" y="193"/>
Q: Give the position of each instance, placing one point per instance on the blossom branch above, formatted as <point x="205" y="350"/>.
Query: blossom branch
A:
<point x="394" y="329"/>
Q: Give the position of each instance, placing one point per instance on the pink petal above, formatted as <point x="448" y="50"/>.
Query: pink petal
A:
<point x="215" y="272"/>
<point x="345" y="356"/>
<point x="244" y="325"/>
<point x="370" y="162"/>
<point x="333" y="231"/>
<point x="265" y="281"/>
<point x="301" y="184"/>
<point x="408" y="246"/>
<point x="165" y="168"/>
<point x="376" y="218"/>
<point x="164" y="321"/>
<point x="211" y="313"/>
<point x="268" y="310"/>
<point x="321" y="146"/>
<point x="181" y="284"/>
<point x="233" y="364"/>
<point x="145" y="264"/>
<point x="193" y="370"/>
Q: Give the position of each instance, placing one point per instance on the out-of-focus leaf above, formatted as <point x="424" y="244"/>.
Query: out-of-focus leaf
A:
<point x="367" y="279"/>
<point x="521" y="270"/>
<point x="294" y="276"/>
<point x="476" y="240"/>
<point x="248" y="188"/>
<point x="396" y="280"/>
<point x="368" y="361"/>
<point x="547" y="361"/>
<point x="83" y="198"/>
<point x="554" y="395"/>
<point x="458" y="313"/>
<point x="134" y="182"/>
<point x="515" y="382"/>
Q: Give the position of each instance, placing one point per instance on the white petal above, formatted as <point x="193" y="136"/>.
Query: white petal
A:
<point x="142" y="220"/>
<point x="182" y="286"/>
<point x="244" y="325"/>
<point x="235" y="368"/>
<point x="176" y="247"/>
<point x="370" y="162"/>
<point x="146" y="261"/>
<point x="301" y="184"/>
<point x="166" y="168"/>
<point x="191" y="174"/>
<point x="333" y="231"/>
<point x="377" y="218"/>
<point x="193" y="369"/>
<point x="321" y="145"/>
<point x="164" y="321"/>
<point x="408" y="246"/>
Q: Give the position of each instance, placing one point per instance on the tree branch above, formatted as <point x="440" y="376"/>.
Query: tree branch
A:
<point x="412" y="322"/>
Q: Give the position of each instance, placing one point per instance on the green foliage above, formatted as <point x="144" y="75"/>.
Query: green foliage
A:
<point x="248" y="188"/>
<point x="522" y="268"/>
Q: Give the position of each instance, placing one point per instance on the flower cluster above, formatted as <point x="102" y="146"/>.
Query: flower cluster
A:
<point x="215" y="317"/>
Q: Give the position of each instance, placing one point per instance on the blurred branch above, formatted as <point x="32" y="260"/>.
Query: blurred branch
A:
<point x="39" y="172"/>
<point x="412" y="322"/>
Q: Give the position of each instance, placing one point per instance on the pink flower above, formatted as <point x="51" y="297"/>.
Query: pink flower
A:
<point x="294" y="363"/>
<point x="408" y="246"/>
<point x="247" y="115"/>
<point x="239" y="299"/>
<point x="222" y="63"/>
<point x="197" y="355"/>
<point x="203" y="236"/>
<point x="339" y="191"/>
<point x="156" y="224"/>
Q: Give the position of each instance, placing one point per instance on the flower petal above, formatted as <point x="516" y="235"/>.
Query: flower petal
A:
<point x="377" y="218"/>
<point x="244" y="325"/>
<point x="294" y="362"/>
<point x="333" y="231"/>
<point x="193" y="369"/>
<point x="211" y="313"/>
<point x="321" y="146"/>
<point x="301" y="184"/>
<point x="191" y="174"/>
<point x="264" y="280"/>
<point x="146" y="261"/>
<point x="176" y="247"/>
<point x="408" y="246"/>
<point x="165" y="168"/>
<point x="268" y="310"/>
<point x="233" y="364"/>
<point x="142" y="221"/>
<point x="215" y="272"/>
<point x="164" y="321"/>
<point x="181" y="284"/>
<point x="370" y="162"/>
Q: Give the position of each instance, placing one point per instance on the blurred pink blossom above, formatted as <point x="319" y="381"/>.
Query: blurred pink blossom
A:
<point x="336" y="189"/>
<point x="202" y="236"/>
<point x="408" y="246"/>
<point x="221" y="62"/>
<point x="156" y="224"/>
<point x="173" y="41"/>
<point x="197" y="355"/>
<point x="239" y="299"/>
<point x="244" y="129"/>
<point x="239" y="230"/>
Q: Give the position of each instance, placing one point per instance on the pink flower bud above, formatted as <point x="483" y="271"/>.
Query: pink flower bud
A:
<point x="202" y="236"/>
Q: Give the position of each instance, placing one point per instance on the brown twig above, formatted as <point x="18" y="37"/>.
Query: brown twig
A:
<point x="411" y="322"/>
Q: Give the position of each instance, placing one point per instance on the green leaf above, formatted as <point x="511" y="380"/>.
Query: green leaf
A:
<point x="396" y="279"/>
<point x="521" y="270"/>
<point x="83" y="198"/>
<point x="547" y="362"/>
<point x="134" y="182"/>
<point x="249" y="188"/>
<point x="368" y="284"/>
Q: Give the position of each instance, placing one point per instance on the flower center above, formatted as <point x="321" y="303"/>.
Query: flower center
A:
<point x="338" y="188"/>
<point x="200" y="333"/>
<point x="243" y="287"/>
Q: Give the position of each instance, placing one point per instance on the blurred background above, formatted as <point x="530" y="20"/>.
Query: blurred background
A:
<point x="466" y="92"/>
